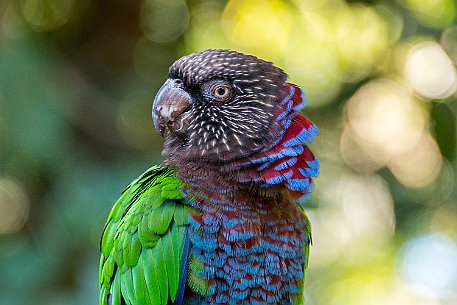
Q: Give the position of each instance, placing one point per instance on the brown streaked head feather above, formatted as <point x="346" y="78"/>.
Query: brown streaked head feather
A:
<point x="220" y="131"/>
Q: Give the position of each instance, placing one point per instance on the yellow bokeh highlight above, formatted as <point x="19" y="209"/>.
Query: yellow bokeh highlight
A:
<point x="262" y="27"/>
<point x="362" y="210"/>
<point x="419" y="165"/>
<point x="385" y="118"/>
<point x="205" y="30"/>
<point x="14" y="206"/>
<point x="389" y="128"/>
<point x="47" y="15"/>
<point x="321" y="45"/>
<point x="361" y="37"/>
<point x="312" y="61"/>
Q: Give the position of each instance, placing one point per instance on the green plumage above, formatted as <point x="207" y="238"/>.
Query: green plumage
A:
<point x="143" y="241"/>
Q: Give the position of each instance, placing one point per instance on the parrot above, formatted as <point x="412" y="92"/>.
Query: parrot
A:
<point x="220" y="221"/>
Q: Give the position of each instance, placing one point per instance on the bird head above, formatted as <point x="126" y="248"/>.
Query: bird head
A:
<point x="217" y="106"/>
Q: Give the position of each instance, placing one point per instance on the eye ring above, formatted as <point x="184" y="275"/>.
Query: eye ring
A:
<point x="217" y="90"/>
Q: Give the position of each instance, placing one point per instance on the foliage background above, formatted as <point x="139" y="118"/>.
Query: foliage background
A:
<point x="77" y="79"/>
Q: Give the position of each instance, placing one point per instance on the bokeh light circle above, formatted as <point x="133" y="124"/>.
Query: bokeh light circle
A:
<point x="164" y="20"/>
<point x="14" y="206"/>
<point x="430" y="71"/>
<point x="428" y="265"/>
<point x="45" y="16"/>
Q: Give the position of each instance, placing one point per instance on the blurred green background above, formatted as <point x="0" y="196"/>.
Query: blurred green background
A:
<point x="77" y="80"/>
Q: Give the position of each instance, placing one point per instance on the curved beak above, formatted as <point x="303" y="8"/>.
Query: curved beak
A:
<point x="170" y="102"/>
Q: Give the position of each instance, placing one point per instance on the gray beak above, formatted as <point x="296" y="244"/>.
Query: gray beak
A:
<point x="170" y="102"/>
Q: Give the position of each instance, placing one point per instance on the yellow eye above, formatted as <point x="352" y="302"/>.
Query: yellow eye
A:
<point x="221" y="91"/>
<point x="217" y="90"/>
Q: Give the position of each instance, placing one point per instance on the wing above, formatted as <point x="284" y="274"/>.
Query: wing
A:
<point x="143" y="242"/>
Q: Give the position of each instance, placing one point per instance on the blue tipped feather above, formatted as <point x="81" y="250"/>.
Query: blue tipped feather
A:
<point x="312" y="171"/>
<point x="292" y="151"/>
<point x="304" y="136"/>
<point x="286" y="164"/>
<point x="264" y="166"/>
<point x="282" y="116"/>
<point x="286" y="123"/>
<point x="278" y="179"/>
<point x="288" y="97"/>
<point x="302" y="104"/>
<point x="298" y="184"/>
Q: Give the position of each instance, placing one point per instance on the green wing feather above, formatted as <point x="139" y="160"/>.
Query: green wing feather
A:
<point x="142" y="243"/>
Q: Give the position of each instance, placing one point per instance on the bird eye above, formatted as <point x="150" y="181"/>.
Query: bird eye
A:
<point x="178" y="82"/>
<point x="217" y="90"/>
<point x="221" y="91"/>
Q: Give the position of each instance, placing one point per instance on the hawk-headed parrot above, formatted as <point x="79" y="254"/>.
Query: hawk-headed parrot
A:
<point x="219" y="222"/>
